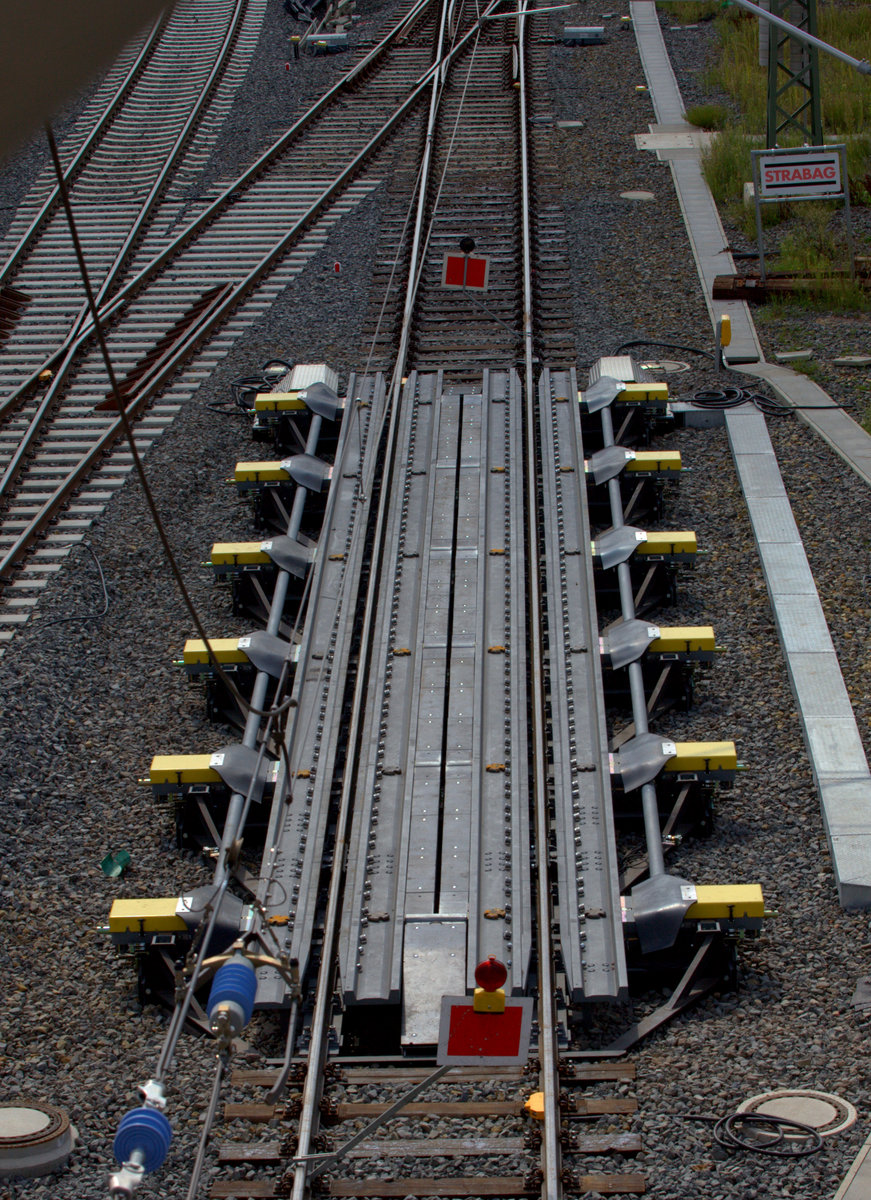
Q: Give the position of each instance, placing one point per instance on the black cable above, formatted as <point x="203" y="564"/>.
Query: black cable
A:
<point x="241" y="388"/>
<point x="728" y="1133"/>
<point x="85" y="616"/>
<point x="729" y="397"/>
<point x="733" y="397"/>
<point x="666" y="345"/>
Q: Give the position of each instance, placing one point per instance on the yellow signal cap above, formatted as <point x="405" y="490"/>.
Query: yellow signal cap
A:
<point x="703" y="756"/>
<point x="668" y="541"/>
<point x="234" y="553"/>
<point x="727" y="900"/>
<point x="655" y="460"/>
<point x="153" y="915"/>
<point x="183" y="768"/>
<point x="488" y="1002"/>
<point x="260" y="472"/>
<point x="278" y="402"/>
<point x="674" y="638"/>
<point x="637" y="393"/>
<point x="225" y="650"/>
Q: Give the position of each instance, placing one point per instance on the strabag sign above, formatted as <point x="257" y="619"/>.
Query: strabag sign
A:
<point x="798" y="174"/>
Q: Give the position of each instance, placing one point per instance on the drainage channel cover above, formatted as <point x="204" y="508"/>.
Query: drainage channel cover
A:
<point x="35" y="1138"/>
<point x="825" y="1113"/>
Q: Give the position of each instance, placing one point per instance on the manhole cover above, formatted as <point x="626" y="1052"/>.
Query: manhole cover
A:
<point x="667" y="366"/>
<point x="825" y="1113"/>
<point x="35" y="1138"/>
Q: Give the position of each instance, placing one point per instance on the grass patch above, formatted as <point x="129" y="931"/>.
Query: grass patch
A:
<point x="845" y="98"/>
<point x="708" y="116"/>
<point x="805" y="366"/>
<point x="819" y="252"/>
<point x="813" y="247"/>
<point x="690" y="12"/>
<point x="726" y="164"/>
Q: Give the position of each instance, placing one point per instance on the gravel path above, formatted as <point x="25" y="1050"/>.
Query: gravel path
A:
<point x="88" y="699"/>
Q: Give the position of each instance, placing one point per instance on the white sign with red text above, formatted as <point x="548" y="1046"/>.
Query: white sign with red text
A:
<point x="797" y="174"/>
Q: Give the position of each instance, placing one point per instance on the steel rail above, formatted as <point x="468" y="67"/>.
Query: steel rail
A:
<point x="422" y="184"/>
<point x="112" y="307"/>
<point x="547" y="1025"/>
<point x="214" y="315"/>
<point x="293" y="859"/>
<point x="85" y="149"/>
<point x="36" y="423"/>
<point x="321" y="1017"/>
<point x="234" y="820"/>
<point x="68" y="485"/>
<point x="649" y="804"/>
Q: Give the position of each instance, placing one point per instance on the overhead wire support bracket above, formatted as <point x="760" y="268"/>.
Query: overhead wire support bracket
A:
<point x="530" y="12"/>
<point x="863" y="66"/>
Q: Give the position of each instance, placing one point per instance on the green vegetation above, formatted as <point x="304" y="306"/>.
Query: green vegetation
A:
<point x="690" y="12"/>
<point x="846" y="101"/>
<point x="846" y="97"/>
<point x="806" y="366"/>
<point x="708" y="116"/>
<point x="811" y="247"/>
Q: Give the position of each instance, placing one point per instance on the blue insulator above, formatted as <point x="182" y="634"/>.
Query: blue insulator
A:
<point x="234" y="988"/>
<point x="147" y="1130"/>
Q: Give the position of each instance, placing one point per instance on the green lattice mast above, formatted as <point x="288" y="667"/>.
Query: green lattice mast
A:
<point x="794" y="111"/>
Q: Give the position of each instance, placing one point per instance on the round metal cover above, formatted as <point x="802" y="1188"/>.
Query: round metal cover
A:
<point x="35" y="1138"/>
<point x="668" y="366"/>
<point x="825" y="1113"/>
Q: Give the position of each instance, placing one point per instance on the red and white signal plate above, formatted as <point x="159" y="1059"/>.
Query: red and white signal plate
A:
<point x="464" y="271"/>
<point x="469" y="1038"/>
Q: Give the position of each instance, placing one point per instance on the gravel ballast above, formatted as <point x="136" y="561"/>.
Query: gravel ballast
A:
<point x="89" y="698"/>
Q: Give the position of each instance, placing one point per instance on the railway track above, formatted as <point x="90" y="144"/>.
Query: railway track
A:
<point x="475" y="193"/>
<point x="168" y="293"/>
<point x="117" y="177"/>
<point x="425" y="758"/>
<point x="493" y="1149"/>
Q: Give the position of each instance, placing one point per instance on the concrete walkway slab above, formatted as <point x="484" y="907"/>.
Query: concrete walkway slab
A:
<point x="838" y="762"/>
